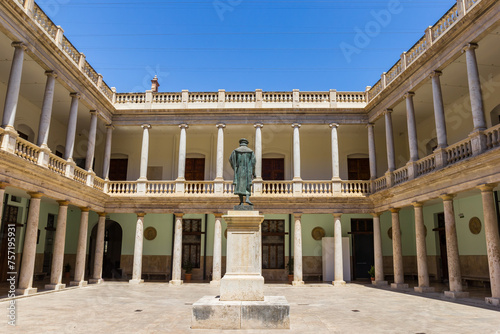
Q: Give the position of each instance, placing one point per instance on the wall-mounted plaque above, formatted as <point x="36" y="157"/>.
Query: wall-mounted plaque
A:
<point x="475" y="225"/>
<point x="318" y="233"/>
<point x="150" y="233"/>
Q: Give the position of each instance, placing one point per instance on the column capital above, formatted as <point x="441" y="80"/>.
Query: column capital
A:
<point x="102" y="214"/>
<point x="75" y="95"/>
<point x="110" y="126"/>
<point x="394" y="210"/>
<point x="387" y="111"/>
<point x="93" y="112"/>
<point x="220" y="125"/>
<point x="487" y="187"/>
<point x="417" y="204"/>
<point x="63" y="203"/>
<point x="337" y="215"/>
<point x="376" y="214"/>
<point x="448" y="197"/>
<point x="436" y="74"/>
<point x="296" y="125"/>
<point x="218" y="215"/>
<point x="334" y="125"/>
<point x="470" y="46"/>
<point x="370" y="125"/>
<point x="140" y="214"/>
<point x="84" y="209"/>
<point x="297" y="215"/>
<point x="258" y="125"/>
<point x="183" y="126"/>
<point x="35" y="194"/>
<point x="178" y="214"/>
<point x="51" y="74"/>
<point x="146" y="126"/>
<point x="19" y="45"/>
<point x="408" y="94"/>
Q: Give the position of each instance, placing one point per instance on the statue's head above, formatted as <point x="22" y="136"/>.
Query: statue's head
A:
<point x="243" y="142"/>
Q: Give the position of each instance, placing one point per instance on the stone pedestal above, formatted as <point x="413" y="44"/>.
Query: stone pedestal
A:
<point x="55" y="286"/>
<point x="492" y="301"/>
<point x="241" y="304"/>
<point x="399" y="286"/>
<point x="424" y="289"/>
<point x="456" y="294"/>
<point x="380" y="283"/>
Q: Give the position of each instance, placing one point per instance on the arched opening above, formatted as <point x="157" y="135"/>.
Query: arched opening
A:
<point x="358" y="166"/>
<point x="25" y="132"/>
<point x="113" y="234"/>
<point x="495" y="115"/>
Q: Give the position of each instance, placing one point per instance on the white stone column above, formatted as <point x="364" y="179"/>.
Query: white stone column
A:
<point x="257" y="182"/>
<point x="46" y="114"/>
<point x="99" y="249"/>
<point x="372" y="151"/>
<point x="297" y="250"/>
<point x="81" y="250"/>
<point x="397" y="254"/>
<point x="217" y="254"/>
<point x="377" y="251"/>
<point x="412" y="126"/>
<point x="454" y="273"/>
<point x="138" y="247"/>
<point x="335" y="153"/>
<point x="439" y="117"/>
<point x="107" y="151"/>
<point x="177" y="256"/>
<point x="58" y="253"/>
<point x="179" y="185"/>
<point x="71" y="132"/>
<point x="91" y="141"/>
<point x="338" y="258"/>
<point x="492" y="242"/>
<point x="423" y="271"/>
<point x="25" y="286"/>
<point x="297" y="180"/>
<point x="219" y="167"/>
<point x="11" y="99"/>
<point x="476" y="98"/>
<point x="389" y="139"/>
<point x="143" y="171"/>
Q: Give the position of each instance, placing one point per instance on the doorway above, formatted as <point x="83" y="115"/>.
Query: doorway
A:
<point x="362" y="247"/>
<point x="112" y="251"/>
<point x="9" y="217"/>
<point x="50" y="231"/>
<point x="118" y="169"/>
<point x="443" y="263"/>
<point x="273" y="169"/>
<point x="358" y="168"/>
<point x="195" y="169"/>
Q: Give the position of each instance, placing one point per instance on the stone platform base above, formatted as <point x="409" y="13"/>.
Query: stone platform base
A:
<point x="55" y="286"/>
<point x="26" y="292"/>
<point x="211" y="313"/>
<point x="96" y="280"/>
<point x="399" y="286"/>
<point x="492" y="301"/>
<point x="81" y="284"/>
<point x="176" y="282"/>
<point x="456" y="294"/>
<point x="136" y="281"/>
<point x="423" y="289"/>
<point x="379" y="283"/>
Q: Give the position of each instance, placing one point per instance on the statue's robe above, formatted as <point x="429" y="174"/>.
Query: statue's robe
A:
<point x="242" y="161"/>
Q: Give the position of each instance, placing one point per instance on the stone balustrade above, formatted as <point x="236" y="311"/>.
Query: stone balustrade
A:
<point x="160" y="187"/>
<point x="380" y="184"/>
<point x="459" y="151"/>
<point x="80" y="175"/>
<point x="57" y="164"/>
<point x="426" y="165"/>
<point x="26" y="150"/>
<point x="492" y="137"/>
<point x="317" y="188"/>
<point x="273" y="188"/>
<point x="445" y="23"/>
<point x="355" y="188"/>
<point x="401" y="175"/>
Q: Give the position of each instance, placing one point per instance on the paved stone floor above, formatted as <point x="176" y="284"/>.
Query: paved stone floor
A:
<point x="117" y="307"/>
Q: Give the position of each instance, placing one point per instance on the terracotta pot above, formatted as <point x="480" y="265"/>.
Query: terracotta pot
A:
<point x="67" y="275"/>
<point x="187" y="277"/>
<point x="373" y="278"/>
<point x="290" y="278"/>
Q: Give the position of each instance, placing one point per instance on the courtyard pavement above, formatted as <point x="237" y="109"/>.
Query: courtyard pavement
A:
<point x="117" y="307"/>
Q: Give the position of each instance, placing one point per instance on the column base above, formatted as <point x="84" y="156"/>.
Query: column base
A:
<point x="26" y="292"/>
<point x="297" y="283"/>
<point x="175" y="282"/>
<point x="423" y="289"/>
<point x="96" y="281"/>
<point x="215" y="283"/>
<point x="338" y="283"/>
<point x="81" y="284"/>
<point x="492" y="301"/>
<point x="379" y="283"/>
<point x="55" y="286"/>
<point x="456" y="294"/>
<point x="399" y="286"/>
<point x="136" y="281"/>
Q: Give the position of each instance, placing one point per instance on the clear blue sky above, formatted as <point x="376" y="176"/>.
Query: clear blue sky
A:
<point x="241" y="45"/>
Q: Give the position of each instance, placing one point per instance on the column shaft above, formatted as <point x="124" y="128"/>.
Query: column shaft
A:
<point x="71" y="132"/>
<point x="389" y="138"/>
<point x="81" y="251"/>
<point x="45" y="116"/>
<point x="337" y="240"/>
<point x="258" y="151"/>
<point x="25" y="286"/>
<point x="107" y="152"/>
<point x="220" y="152"/>
<point x="423" y="271"/>
<point x="412" y="127"/>
<point x="177" y="256"/>
<point x="297" y="251"/>
<point x="476" y="98"/>
<point x="296" y="151"/>
<point x="217" y="255"/>
<point x="99" y="249"/>
<point x="397" y="253"/>
<point x="377" y="251"/>
<point x="439" y="110"/>
<point x="372" y="151"/>
<point x="89" y="161"/>
<point x="335" y="152"/>
<point x="58" y="253"/>
<point x="182" y="153"/>
<point x="13" y="86"/>
<point x="138" y="247"/>
<point x="143" y="172"/>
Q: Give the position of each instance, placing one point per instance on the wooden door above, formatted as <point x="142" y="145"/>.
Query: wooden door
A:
<point x="442" y="246"/>
<point x="195" y="169"/>
<point x="118" y="169"/>
<point x="358" y="169"/>
<point x="273" y="169"/>
<point x="362" y="247"/>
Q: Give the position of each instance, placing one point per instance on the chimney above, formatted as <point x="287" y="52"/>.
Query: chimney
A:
<point x="155" y="84"/>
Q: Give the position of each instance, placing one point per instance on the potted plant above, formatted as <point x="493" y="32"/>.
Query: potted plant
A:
<point x="188" y="267"/>
<point x="289" y="266"/>
<point x="371" y="272"/>
<point x="67" y="270"/>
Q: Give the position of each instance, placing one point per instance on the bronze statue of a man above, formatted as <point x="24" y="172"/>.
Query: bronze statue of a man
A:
<point x="242" y="161"/>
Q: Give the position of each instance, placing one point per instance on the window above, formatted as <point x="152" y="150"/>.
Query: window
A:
<point x="358" y="168"/>
<point x="191" y="241"/>
<point x="273" y="244"/>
